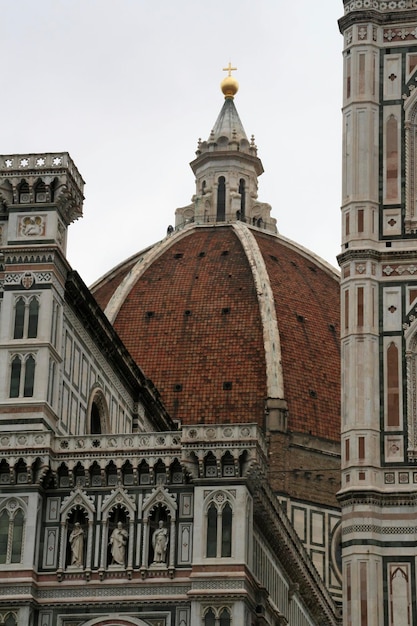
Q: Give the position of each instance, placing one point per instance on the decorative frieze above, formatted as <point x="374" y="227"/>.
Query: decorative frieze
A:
<point x="380" y="5"/>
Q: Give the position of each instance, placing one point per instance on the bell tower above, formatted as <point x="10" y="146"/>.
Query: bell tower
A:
<point x="379" y="313"/>
<point x="40" y="195"/>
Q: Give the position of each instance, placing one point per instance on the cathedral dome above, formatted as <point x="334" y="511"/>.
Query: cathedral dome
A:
<point x="232" y="322"/>
<point x="227" y="319"/>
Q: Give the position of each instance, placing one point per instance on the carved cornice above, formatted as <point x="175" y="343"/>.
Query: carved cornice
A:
<point x="379" y="12"/>
<point x="378" y="499"/>
<point x="390" y="255"/>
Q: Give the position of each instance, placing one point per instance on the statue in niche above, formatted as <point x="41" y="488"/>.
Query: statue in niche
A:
<point x="118" y="543"/>
<point x="160" y="539"/>
<point x="76" y="540"/>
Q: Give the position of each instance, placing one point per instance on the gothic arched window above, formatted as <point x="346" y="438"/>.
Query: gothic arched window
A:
<point x="19" y="318"/>
<point x="212" y="531"/>
<point x="11" y="533"/>
<point x="22" y="376"/>
<point x="16" y="371"/>
<point x="29" y="377"/>
<point x="219" y="518"/>
<point x="224" y="618"/>
<point x="26" y="318"/>
<point x="227" y="530"/>
<point x="33" y="318"/>
<point x="209" y="618"/>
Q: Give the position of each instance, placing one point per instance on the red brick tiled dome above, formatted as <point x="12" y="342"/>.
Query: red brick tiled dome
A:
<point x="196" y="319"/>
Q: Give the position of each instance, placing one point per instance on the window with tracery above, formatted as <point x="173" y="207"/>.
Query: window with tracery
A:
<point x="26" y="318"/>
<point x="219" y="530"/>
<point x="10" y="620"/>
<point x="22" y="376"/>
<point x="11" y="533"/>
<point x="217" y="618"/>
<point x="210" y="618"/>
<point x="225" y="617"/>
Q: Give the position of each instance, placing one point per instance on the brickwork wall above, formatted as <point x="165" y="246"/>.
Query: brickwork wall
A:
<point x="304" y="473"/>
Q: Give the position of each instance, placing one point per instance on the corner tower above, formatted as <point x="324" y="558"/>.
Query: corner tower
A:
<point x="226" y="170"/>
<point x="40" y="195"/>
<point x="379" y="319"/>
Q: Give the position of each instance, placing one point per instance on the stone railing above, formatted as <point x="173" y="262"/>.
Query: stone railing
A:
<point x="25" y="440"/>
<point x="224" y="435"/>
<point x="143" y="442"/>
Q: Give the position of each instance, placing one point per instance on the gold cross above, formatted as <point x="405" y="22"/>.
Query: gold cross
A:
<point x="229" y="69"/>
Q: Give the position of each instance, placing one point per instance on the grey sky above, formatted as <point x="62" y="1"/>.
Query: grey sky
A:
<point x="128" y="86"/>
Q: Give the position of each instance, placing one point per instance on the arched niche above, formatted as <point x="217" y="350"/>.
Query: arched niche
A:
<point x="118" y="517"/>
<point x="77" y="517"/>
<point x="159" y="518"/>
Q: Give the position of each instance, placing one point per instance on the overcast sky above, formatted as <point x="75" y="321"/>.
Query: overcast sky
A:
<point x="128" y="86"/>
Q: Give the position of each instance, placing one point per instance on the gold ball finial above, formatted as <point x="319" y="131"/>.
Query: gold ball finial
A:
<point x="229" y="85"/>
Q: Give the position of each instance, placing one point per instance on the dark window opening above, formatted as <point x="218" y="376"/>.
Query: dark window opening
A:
<point x="221" y="199"/>
<point x="212" y="531"/>
<point x="95" y="420"/>
<point x="33" y="318"/>
<point x="15" y="377"/>
<point x="209" y="618"/>
<point x="29" y="377"/>
<point x="227" y="530"/>
<point x="19" y="319"/>
<point x="242" y="199"/>
<point x="24" y="196"/>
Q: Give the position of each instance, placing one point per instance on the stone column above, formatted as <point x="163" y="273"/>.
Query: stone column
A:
<point x="172" y="543"/>
<point x="145" y="548"/>
<point x="89" y="553"/>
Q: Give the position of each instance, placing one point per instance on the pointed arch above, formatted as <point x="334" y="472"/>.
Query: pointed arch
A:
<point x="78" y="499"/>
<point x="218" y="513"/>
<point x="23" y="192"/>
<point x="98" y="420"/>
<point x="77" y="516"/>
<point x="40" y="191"/>
<point x="13" y="514"/>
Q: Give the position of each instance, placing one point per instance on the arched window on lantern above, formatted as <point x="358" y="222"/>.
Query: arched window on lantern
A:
<point x="242" y="192"/>
<point x="221" y="199"/>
